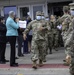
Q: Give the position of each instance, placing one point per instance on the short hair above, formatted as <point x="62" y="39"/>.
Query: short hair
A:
<point x="11" y="13"/>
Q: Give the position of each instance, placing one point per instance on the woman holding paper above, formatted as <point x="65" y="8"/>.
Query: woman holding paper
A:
<point x="11" y="34"/>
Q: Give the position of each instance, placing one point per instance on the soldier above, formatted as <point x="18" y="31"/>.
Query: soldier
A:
<point x="38" y="39"/>
<point x="45" y="24"/>
<point x="65" y="20"/>
<point x="50" y="39"/>
<point x="70" y="41"/>
<point x="54" y="29"/>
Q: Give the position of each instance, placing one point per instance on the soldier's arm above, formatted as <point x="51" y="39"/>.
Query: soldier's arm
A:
<point x="29" y="27"/>
<point x="46" y="27"/>
<point x="60" y="20"/>
<point x="70" y="25"/>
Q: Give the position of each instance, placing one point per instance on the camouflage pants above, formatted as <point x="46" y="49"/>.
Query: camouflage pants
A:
<point x="72" y="60"/>
<point x="68" y="42"/>
<point x="55" y="40"/>
<point x="50" y="41"/>
<point x="72" y="65"/>
<point x="38" y="49"/>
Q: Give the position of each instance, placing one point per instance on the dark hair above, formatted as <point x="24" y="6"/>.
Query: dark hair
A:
<point x="1" y="18"/>
<point x="16" y="18"/>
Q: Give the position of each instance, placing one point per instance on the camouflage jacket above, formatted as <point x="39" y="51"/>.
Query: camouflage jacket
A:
<point x="65" y="21"/>
<point x="49" y="32"/>
<point x="70" y="37"/>
<point x="53" y="26"/>
<point x="37" y="33"/>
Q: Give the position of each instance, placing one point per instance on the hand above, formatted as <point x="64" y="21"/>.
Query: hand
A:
<point x="68" y="59"/>
<point x="41" y="28"/>
<point x="24" y="36"/>
<point x="17" y="19"/>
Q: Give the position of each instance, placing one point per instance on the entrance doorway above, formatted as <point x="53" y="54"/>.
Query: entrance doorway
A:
<point x="24" y="12"/>
<point x="58" y="11"/>
<point x="57" y="8"/>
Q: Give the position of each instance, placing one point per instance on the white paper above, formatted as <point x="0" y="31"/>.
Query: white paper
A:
<point x="22" y="24"/>
<point x="59" y="27"/>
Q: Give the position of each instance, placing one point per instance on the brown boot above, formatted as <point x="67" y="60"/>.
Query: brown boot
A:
<point x="34" y="65"/>
<point x="44" y="60"/>
<point x="40" y="63"/>
<point x="66" y="64"/>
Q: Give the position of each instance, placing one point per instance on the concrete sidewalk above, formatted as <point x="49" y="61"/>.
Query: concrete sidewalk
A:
<point x="52" y="60"/>
<point x="25" y="71"/>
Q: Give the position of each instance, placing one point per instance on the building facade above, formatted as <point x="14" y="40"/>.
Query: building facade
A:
<point x="22" y="7"/>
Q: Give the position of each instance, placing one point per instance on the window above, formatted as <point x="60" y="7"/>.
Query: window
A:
<point x="9" y="8"/>
<point x="24" y="11"/>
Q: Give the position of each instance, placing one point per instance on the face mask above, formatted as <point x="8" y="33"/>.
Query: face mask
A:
<point x="43" y="17"/>
<point x="38" y="17"/>
<point x="72" y="12"/>
<point x="47" y="19"/>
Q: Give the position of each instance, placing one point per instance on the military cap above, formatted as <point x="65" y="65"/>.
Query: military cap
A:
<point x="42" y="14"/>
<point x="38" y="13"/>
<point x="66" y="8"/>
<point x="71" y="6"/>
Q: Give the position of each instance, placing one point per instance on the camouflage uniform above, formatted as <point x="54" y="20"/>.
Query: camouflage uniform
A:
<point x="38" y="39"/>
<point x="71" y="40"/>
<point x="65" y="20"/>
<point x="54" y="30"/>
<point x="50" y="39"/>
<point x="46" y="40"/>
<point x="69" y="44"/>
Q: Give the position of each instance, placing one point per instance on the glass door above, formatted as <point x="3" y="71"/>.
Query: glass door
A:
<point x="24" y="12"/>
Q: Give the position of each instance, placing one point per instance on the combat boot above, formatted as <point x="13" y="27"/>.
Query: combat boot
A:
<point x="50" y="51"/>
<point x="44" y="60"/>
<point x="40" y="63"/>
<point x="66" y="64"/>
<point x="34" y="65"/>
<point x="71" y="73"/>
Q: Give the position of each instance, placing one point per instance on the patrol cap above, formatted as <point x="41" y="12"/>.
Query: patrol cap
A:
<point x="71" y="6"/>
<point x="65" y="8"/>
<point x="38" y="13"/>
<point x="42" y="13"/>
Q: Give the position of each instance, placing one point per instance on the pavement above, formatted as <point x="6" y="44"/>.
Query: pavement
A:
<point x="53" y="66"/>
